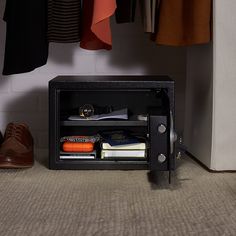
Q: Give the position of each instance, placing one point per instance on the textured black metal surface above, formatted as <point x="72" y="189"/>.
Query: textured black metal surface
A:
<point x="158" y="142"/>
<point x="111" y="82"/>
<point x="97" y="165"/>
<point x="112" y="78"/>
<point x="104" y="123"/>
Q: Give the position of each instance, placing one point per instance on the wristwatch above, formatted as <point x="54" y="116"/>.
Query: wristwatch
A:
<point x="88" y="110"/>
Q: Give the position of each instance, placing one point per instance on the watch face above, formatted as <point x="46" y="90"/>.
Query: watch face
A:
<point x="87" y="110"/>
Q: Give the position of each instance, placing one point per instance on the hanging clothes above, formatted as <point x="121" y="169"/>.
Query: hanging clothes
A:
<point x="125" y="11"/>
<point x="26" y="45"/>
<point x="64" y="21"/>
<point x="148" y="11"/>
<point x="96" y="31"/>
<point x="183" y="22"/>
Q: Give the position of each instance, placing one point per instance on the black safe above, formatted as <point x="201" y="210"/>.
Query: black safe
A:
<point x="152" y="96"/>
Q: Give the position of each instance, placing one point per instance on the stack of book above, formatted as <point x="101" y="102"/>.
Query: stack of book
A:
<point x="126" y="151"/>
<point x="121" y="145"/>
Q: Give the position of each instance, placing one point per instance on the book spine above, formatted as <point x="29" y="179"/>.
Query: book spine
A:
<point x="113" y="153"/>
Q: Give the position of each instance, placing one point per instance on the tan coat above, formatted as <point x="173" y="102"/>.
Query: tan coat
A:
<point x="183" y="22"/>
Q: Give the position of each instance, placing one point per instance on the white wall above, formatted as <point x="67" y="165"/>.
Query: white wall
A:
<point x="24" y="96"/>
<point x="210" y="128"/>
<point x="224" y="73"/>
<point x="199" y="100"/>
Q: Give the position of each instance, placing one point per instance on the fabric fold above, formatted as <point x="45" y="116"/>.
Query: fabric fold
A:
<point x="148" y="10"/>
<point x="96" y="31"/>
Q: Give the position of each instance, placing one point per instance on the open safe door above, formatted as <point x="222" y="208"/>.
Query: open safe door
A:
<point x="162" y="137"/>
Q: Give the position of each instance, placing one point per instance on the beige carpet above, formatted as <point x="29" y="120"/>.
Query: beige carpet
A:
<point x="39" y="201"/>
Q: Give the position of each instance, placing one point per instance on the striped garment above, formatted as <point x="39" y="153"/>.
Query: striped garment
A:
<point x="64" y="18"/>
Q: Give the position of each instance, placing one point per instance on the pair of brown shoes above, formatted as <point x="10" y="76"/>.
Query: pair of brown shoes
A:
<point x="16" y="150"/>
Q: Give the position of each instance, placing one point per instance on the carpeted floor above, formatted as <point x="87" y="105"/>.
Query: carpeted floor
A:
<point x="39" y="201"/>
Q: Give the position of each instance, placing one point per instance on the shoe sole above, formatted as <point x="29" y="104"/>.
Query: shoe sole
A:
<point x="7" y="165"/>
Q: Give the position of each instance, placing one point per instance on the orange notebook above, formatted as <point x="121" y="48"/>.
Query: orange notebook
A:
<point x="77" y="147"/>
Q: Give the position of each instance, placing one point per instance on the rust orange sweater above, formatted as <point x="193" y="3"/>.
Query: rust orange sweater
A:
<point x="183" y="22"/>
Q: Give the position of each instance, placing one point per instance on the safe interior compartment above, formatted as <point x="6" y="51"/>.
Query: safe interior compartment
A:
<point x="138" y="102"/>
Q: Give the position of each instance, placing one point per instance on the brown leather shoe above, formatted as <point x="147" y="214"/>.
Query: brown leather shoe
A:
<point x="16" y="150"/>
